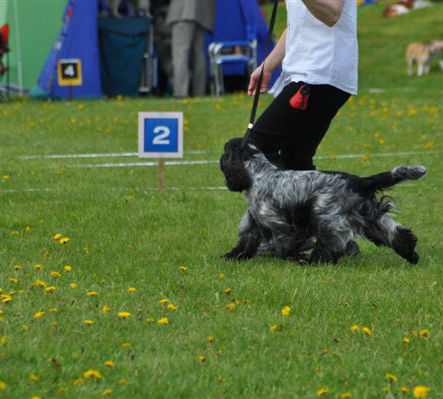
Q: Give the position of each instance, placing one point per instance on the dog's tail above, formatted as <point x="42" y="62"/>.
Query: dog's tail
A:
<point x="397" y="175"/>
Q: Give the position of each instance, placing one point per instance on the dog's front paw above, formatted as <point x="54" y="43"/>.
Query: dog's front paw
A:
<point x="235" y="255"/>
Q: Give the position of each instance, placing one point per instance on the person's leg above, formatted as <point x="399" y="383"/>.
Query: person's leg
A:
<point x="274" y="128"/>
<point x="182" y="33"/>
<point x="199" y="72"/>
<point x="324" y="103"/>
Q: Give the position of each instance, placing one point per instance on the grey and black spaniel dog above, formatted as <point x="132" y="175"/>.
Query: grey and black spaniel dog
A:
<point x="287" y="208"/>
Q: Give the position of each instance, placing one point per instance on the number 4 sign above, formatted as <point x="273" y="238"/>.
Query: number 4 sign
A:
<point x="160" y="135"/>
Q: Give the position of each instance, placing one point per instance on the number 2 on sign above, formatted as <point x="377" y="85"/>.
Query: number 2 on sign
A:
<point x="163" y="132"/>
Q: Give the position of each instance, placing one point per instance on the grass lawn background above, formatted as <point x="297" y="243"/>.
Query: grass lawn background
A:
<point x="167" y="245"/>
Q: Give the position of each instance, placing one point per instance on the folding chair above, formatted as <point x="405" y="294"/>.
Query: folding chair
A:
<point x="233" y="46"/>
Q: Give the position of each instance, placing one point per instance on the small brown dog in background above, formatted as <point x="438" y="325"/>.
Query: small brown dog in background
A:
<point x="422" y="54"/>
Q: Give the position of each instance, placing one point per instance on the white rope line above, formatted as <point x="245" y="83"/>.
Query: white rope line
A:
<point x="135" y="154"/>
<point x="99" y="155"/>
<point x="205" y="162"/>
<point x="45" y="190"/>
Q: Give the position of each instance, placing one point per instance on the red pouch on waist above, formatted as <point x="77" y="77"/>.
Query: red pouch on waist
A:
<point x="300" y="99"/>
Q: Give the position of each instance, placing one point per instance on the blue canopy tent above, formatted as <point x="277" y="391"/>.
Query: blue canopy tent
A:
<point x="77" y="39"/>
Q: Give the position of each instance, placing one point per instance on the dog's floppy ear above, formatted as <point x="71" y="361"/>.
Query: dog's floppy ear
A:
<point x="232" y="165"/>
<point x="237" y="177"/>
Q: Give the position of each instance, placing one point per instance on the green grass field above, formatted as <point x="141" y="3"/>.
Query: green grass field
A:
<point x="130" y="247"/>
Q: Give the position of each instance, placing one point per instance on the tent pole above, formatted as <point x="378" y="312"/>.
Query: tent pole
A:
<point x="19" y="53"/>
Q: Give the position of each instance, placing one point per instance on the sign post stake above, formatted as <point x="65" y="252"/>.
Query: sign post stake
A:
<point x="161" y="174"/>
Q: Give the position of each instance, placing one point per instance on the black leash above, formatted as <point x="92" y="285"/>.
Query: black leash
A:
<point x="260" y="79"/>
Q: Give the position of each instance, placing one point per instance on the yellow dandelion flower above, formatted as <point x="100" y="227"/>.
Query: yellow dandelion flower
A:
<point x="55" y="274"/>
<point x="123" y="315"/>
<point x="355" y="328"/>
<point x="403" y="389"/>
<point x="4" y="340"/>
<point x="381" y="141"/>
<point x="35" y="397"/>
<point x="150" y="320"/>
<point x="53" y="310"/>
<point x="6" y="177"/>
<point x="164" y="301"/>
<point x="13" y="280"/>
<point x="183" y="268"/>
<point x="221" y="276"/>
<point x="92" y="293"/>
<point x="40" y="283"/>
<point x="2" y="386"/>
<point x="210" y="339"/>
<point x="345" y="395"/>
<point x="386" y="389"/>
<point x="126" y="345"/>
<point x="429" y="146"/>
<point x="6" y="298"/>
<point x="73" y="285"/>
<point x="105" y="309"/>
<point x="405" y="341"/>
<point x="201" y="359"/>
<point x="107" y="392"/>
<point x="89" y="322"/>
<point x="367" y="330"/>
<point x="286" y="310"/>
<point x="50" y="288"/>
<point x="57" y="236"/>
<point x="172" y="307"/>
<point x="109" y="363"/>
<point x="132" y="289"/>
<point x="38" y="315"/>
<point x="38" y="267"/>
<point x="1" y="310"/>
<point x="79" y="381"/>
<point x="123" y="381"/>
<point x="323" y="391"/>
<point x="67" y="268"/>
<point x="391" y="377"/>
<point x="227" y="291"/>
<point x="17" y="267"/>
<point x="421" y="391"/>
<point x="231" y="306"/>
<point x="92" y="374"/>
<point x="63" y="240"/>
<point x="366" y="157"/>
<point x="25" y="327"/>
<point x="163" y="320"/>
<point x="28" y="229"/>
<point x="423" y="333"/>
<point x="273" y="328"/>
<point x="32" y="378"/>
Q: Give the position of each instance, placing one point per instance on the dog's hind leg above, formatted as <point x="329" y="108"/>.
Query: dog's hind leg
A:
<point x="392" y="234"/>
<point x="248" y="242"/>
<point x="333" y="240"/>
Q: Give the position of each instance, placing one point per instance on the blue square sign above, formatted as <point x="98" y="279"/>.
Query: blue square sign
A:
<point x="160" y="135"/>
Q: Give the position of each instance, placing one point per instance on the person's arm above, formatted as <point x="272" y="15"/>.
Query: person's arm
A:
<point x="273" y="60"/>
<point x="327" y="11"/>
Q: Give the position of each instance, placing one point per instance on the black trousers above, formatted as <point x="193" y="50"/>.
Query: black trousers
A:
<point x="289" y="137"/>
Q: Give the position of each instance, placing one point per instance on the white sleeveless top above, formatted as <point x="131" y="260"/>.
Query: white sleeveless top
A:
<point x="319" y="54"/>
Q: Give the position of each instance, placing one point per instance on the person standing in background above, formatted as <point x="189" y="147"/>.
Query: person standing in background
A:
<point x="162" y="44"/>
<point x="190" y="19"/>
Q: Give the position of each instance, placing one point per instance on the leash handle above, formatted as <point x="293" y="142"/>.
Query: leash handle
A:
<point x="260" y="79"/>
